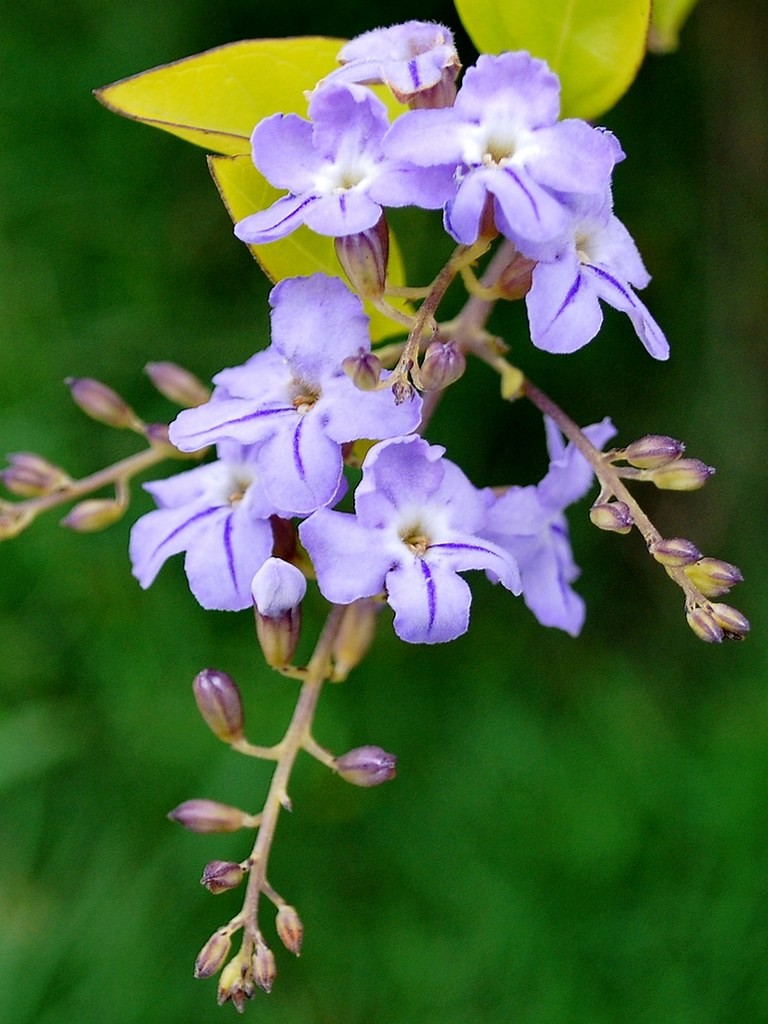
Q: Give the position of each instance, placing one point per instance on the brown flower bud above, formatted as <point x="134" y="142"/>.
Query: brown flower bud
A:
<point x="674" y="551"/>
<point x="289" y="928"/>
<point x="652" y="451"/>
<point x="213" y="954"/>
<point x="263" y="966"/>
<point x="30" y="475"/>
<point x="366" y="766"/>
<point x="681" y="475"/>
<point x="364" y="257"/>
<point x="221" y="875"/>
<point x="177" y="384"/>
<point x="102" y="403"/>
<point x="442" y="366"/>
<point x="614" y="516"/>
<point x="218" y="701"/>
<point x="364" y="370"/>
<point x="355" y="636"/>
<point x="704" y="625"/>
<point x="210" y="816"/>
<point x="93" y="514"/>
<point x="713" y="576"/>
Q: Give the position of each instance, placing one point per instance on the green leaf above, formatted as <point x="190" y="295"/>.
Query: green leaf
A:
<point x="215" y="99"/>
<point x="666" y="21"/>
<point x="595" y="46"/>
<point x="244" y="190"/>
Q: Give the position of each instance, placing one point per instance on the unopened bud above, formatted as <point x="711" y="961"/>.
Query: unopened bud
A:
<point x="355" y="636"/>
<point x="674" y="551"/>
<point x="93" y="514"/>
<point x="278" y="589"/>
<point x="704" y="625"/>
<point x="30" y="475"/>
<point x="221" y="875"/>
<point x="289" y="928"/>
<point x="235" y="983"/>
<point x="681" y="475"/>
<point x="364" y="257"/>
<point x="735" y="625"/>
<point x="263" y="966"/>
<point x="515" y="280"/>
<point x="177" y="384"/>
<point x="13" y="521"/>
<point x="614" y="516"/>
<point x="211" y="816"/>
<point x="157" y="435"/>
<point x="713" y="576"/>
<point x="366" y="766"/>
<point x="211" y="957"/>
<point x="364" y="370"/>
<point x="652" y="451"/>
<point x="442" y="365"/>
<point x="219" y="702"/>
<point x="102" y="403"/>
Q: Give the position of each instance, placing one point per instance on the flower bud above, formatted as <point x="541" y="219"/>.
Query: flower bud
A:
<point x="515" y="280"/>
<point x="235" y="983"/>
<point x="93" y="514"/>
<point x="102" y="403"/>
<point x="211" y="816"/>
<point x="289" y="928"/>
<point x="704" y="625"/>
<point x="364" y="257"/>
<point x="652" y="451"/>
<point x="614" y="516"/>
<point x="731" y="620"/>
<point x="263" y="966"/>
<point x="674" y="551"/>
<point x="218" y="701"/>
<point x="177" y="384"/>
<point x="355" y="636"/>
<point x="364" y="370"/>
<point x="712" y="576"/>
<point x="366" y="766"/>
<point x="30" y="475"/>
<point x="278" y="588"/>
<point x="221" y="875"/>
<point x="13" y="521"/>
<point x="681" y="475"/>
<point x="442" y="365"/>
<point x="211" y="957"/>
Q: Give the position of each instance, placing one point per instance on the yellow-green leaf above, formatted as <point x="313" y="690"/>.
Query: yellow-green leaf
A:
<point x="244" y="191"/>
<point x="595" y="46"/>
<point x="215" y="99"/>
<point x="666" y="21"/>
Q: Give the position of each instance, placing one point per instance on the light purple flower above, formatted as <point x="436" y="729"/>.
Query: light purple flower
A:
<point x="217" y="513"/>
<point x="417" y="524"/>
<point x="597" y="259"/>
<point x="412" y="59"/>
<point x="506" y="145"/>
<point x="333" y="168"/>
<point x="529" y="523"/>
<point x="294" y="402"/>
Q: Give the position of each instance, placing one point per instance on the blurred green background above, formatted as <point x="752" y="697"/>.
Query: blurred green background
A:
<point x="578" y="834"/>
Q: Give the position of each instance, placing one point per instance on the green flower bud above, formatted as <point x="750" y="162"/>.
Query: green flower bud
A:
<point x="704" y="625"/>
<point x="93" y="514"/>
<point x="681" y="475"/>
<point x="713" y="576"/>
<point x="30" y="475"/>
<point x="614" y="516"/>
<point x="731" y="620"/>
<point x="652" y="451"/>
<point x="674" y="552"/>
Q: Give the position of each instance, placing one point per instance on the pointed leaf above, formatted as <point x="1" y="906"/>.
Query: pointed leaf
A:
<point x="666" y="21"/>
<point x="595" y="46"/>
<point x="245" y="190"/>
<point x="216" y="98"/>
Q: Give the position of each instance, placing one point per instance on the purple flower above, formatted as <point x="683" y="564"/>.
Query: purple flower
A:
<point x="504" y="141"/>
<point x="416" y="60"/>
<point x="597" y="259"/>
<point x="334" y="169"/>
<point x="417" y="524"/>
<point x="529" y="523"/>
<point x="219" y="515"/>
<point x="294" y="402"/>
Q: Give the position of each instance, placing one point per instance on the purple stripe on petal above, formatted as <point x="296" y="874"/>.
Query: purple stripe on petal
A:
<point x="413" y="71"/>
<point x="297" y="459"/>
<point x="182" y="526"/>
<point x="524" y="190"/>
<point x="431" y="596"/>
<point x="228" y="524"/>
<point x="259" y="414"/>
<point x="612" y="280"/>
<point x="572" y="293"/>
<point x="293" y="213"/>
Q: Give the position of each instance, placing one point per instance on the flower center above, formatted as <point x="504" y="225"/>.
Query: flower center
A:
<point x="305" y="396"/>
<point x="416" y="539"/>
